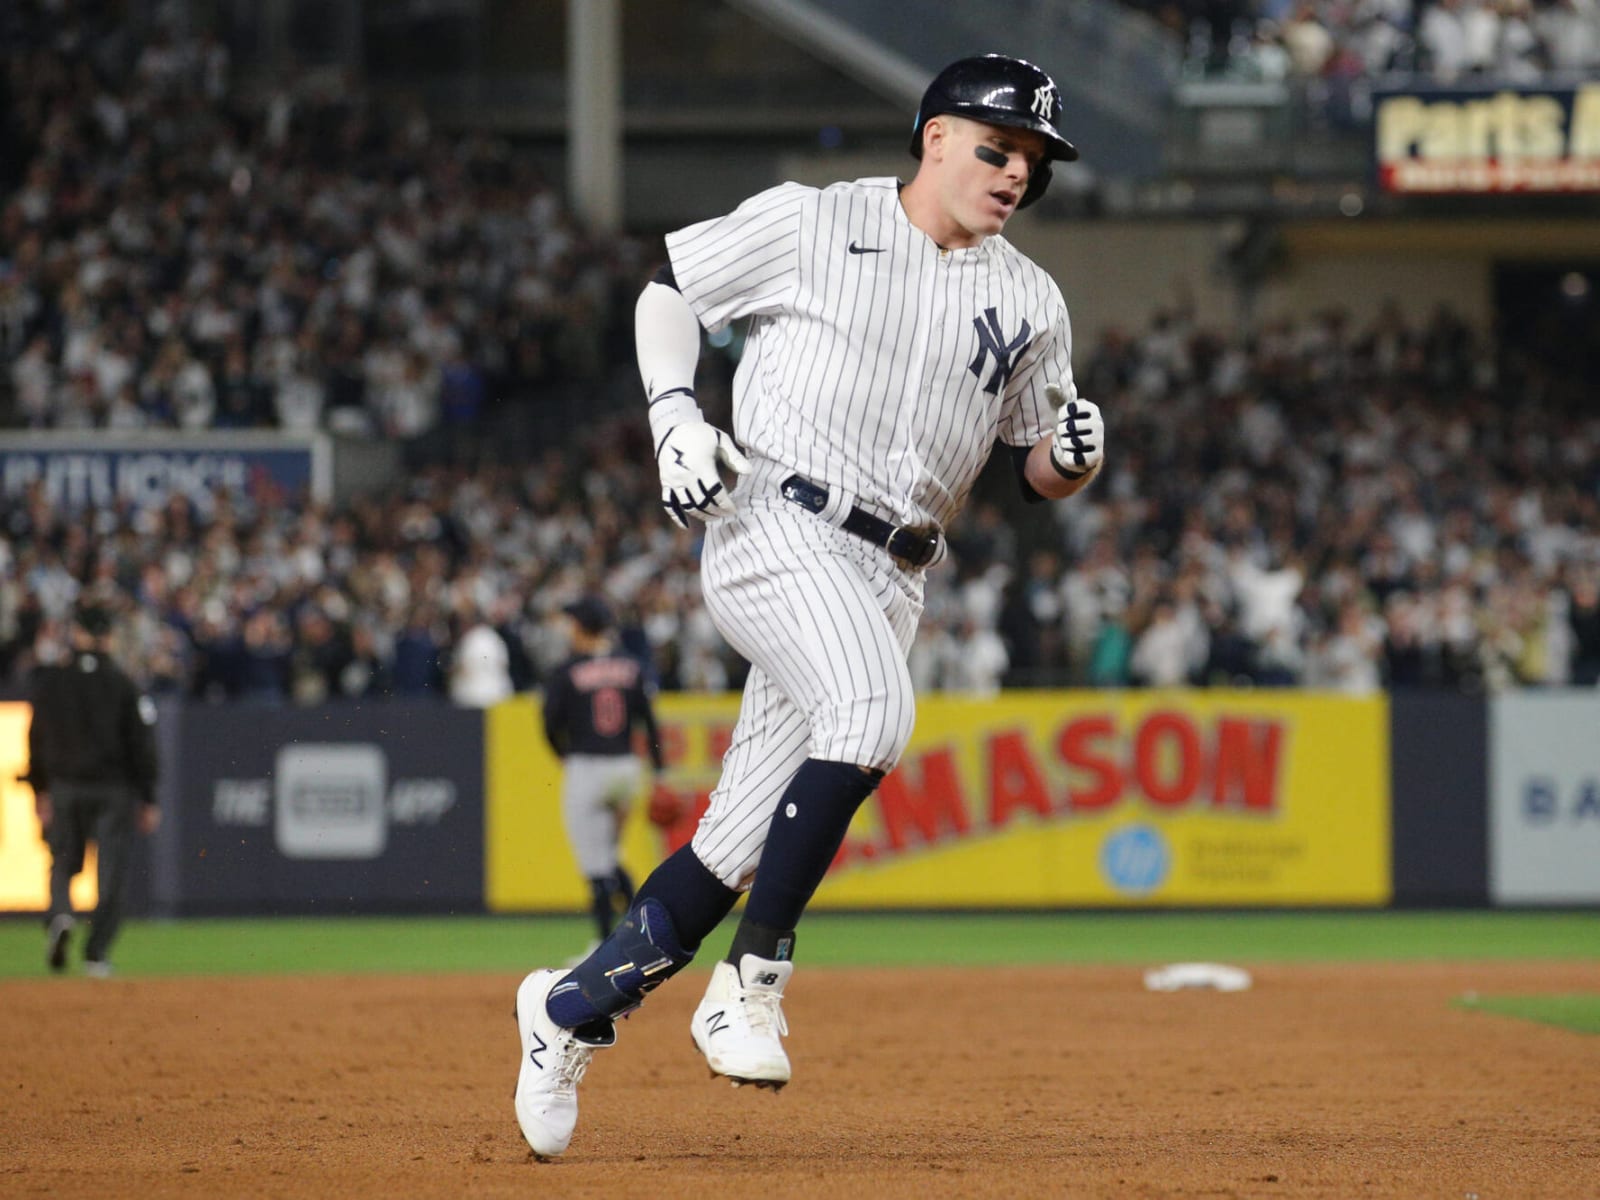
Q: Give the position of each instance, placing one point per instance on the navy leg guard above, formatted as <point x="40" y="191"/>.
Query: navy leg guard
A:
<point x="641" y="953"/>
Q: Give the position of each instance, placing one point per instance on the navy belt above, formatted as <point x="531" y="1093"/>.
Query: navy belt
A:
<point x="914" y="546"/>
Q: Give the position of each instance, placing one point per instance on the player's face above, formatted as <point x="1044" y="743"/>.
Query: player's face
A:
<point x="986" y="173"/>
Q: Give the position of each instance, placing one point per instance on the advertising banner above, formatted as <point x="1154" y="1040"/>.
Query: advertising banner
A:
<point x="1516" y="140"/>
<point x="145" y="469"/>
<point x="1544" y="798"/>
<point x="24" y="857"/>
<point x="336" y="809"/>
<point x="1045" y="799"/>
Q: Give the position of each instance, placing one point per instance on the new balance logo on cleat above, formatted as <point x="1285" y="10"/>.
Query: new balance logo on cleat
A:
<point x="535" y="1051"/>
<point x="740" y="1028"/>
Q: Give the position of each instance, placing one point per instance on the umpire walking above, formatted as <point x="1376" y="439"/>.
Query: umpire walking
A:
<point x="93" y="766"/>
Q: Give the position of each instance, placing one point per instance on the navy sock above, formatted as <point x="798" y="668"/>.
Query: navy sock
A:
<point x="807" y="830"/>
<point x="695" y="898"/>
<point x="750" y="938"/>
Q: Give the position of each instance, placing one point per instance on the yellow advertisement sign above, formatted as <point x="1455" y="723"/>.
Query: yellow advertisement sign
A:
<point x="1036" y="799"/>
<point x="24" y="858"/>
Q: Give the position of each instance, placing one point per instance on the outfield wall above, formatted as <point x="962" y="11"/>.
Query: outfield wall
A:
<point x="1213" y="799"/>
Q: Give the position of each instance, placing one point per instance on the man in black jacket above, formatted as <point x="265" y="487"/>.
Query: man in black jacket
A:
<point x="93" y="765"/>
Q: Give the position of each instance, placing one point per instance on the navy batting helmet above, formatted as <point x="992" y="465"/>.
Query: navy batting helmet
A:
<point x="1000" y="90"/>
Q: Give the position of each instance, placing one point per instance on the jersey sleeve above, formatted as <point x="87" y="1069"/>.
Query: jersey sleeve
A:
<point x="138" y="719"/>
<point x="558" y="697"/>
<point x="644" y="716"/>
<point x="745" y="263"/>
<point x="1027" y="416"/>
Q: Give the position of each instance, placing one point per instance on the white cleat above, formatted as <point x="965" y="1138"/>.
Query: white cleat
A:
<point x="553" y="1062"/>
<point x="739" y="1023"/>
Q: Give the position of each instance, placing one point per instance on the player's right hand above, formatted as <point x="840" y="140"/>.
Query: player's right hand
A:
<point x="1079" y="446"/>
<point x="690" y="484"/>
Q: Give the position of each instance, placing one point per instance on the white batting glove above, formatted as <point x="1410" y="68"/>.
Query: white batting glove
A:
<point x="1079" y="446"/>
<point x="690" y="484"/>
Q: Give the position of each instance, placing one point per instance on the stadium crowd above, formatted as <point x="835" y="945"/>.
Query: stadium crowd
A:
<point x="1306" y="504"/>
<point x="1313" y="505"/>
<point x="1438" y="41"/>
<point x="179" y="251"/>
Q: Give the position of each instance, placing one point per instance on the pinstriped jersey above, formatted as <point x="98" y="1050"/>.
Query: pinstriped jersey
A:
<point x="875" y="361"/>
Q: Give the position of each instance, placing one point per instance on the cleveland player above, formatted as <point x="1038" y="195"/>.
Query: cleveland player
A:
<point x="895" y="339"/>
<point x="592" y="704"/>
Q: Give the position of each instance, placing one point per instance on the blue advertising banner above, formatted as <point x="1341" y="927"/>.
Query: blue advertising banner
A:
<point x="145" y="469"/>
<point x="359" y="808"/>
<point x="1464" y="141"/>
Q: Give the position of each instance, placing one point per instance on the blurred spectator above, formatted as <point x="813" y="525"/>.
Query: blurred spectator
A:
<point x="979" y="662"/>
<point x="1583" y="615"/>
<point x="1446" y="39"/>
<point x="480" y="672"/>
<point x="1335" y="42"/>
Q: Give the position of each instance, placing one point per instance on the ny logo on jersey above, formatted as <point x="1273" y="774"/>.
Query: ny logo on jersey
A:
<point x="1044" y="100"/>
<point x="992" y="341"/>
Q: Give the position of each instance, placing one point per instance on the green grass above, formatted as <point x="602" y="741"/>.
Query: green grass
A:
<point x="1578" y="1011"/>
<point x="432" y="944"/>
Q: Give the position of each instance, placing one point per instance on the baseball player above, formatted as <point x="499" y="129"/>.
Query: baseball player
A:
<point x="592" y="704"/>
<point x="895" y="340"/>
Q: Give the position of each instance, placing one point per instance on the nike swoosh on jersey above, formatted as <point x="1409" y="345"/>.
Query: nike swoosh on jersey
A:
<point x="855" y="249"/>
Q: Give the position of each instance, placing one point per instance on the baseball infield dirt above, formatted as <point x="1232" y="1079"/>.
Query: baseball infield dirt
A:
<point x="1326" y="1082"/>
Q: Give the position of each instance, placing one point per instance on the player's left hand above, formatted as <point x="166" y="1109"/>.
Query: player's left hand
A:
<point x="1079" y="446"/>
<point x="690" y="484"/>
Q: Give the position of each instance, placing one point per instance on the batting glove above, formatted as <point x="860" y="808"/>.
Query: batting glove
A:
<point x="690" y="484"/>
<point x="1079" y="446"/>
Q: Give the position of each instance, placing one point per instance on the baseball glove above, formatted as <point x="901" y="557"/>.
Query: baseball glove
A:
<point x="665" y="809"/>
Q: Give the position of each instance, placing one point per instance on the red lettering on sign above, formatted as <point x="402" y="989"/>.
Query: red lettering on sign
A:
<point x="718" y="739"/>
<point x="1014" y="779"/>
<point x="692" y="805"/>
<point x="1077" y="748"/>
<point x="1167" y="759"/>
<point x="1245" y="773"/>
<point x="672" y="741"/>
<point x="922" y="797"/>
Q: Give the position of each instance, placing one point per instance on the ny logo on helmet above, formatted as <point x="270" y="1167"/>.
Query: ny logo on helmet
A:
<point x="992" y="341"/>
<point x="1044" y="100"/>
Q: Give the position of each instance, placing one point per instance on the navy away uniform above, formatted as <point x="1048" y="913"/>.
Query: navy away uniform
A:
<point x="592" y="707"/>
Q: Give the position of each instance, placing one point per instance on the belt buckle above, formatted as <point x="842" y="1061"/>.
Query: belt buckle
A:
<point x="916" y="558"/>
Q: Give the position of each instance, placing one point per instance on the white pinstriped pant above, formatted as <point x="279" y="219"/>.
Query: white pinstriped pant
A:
<point x="826" y="621"/>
